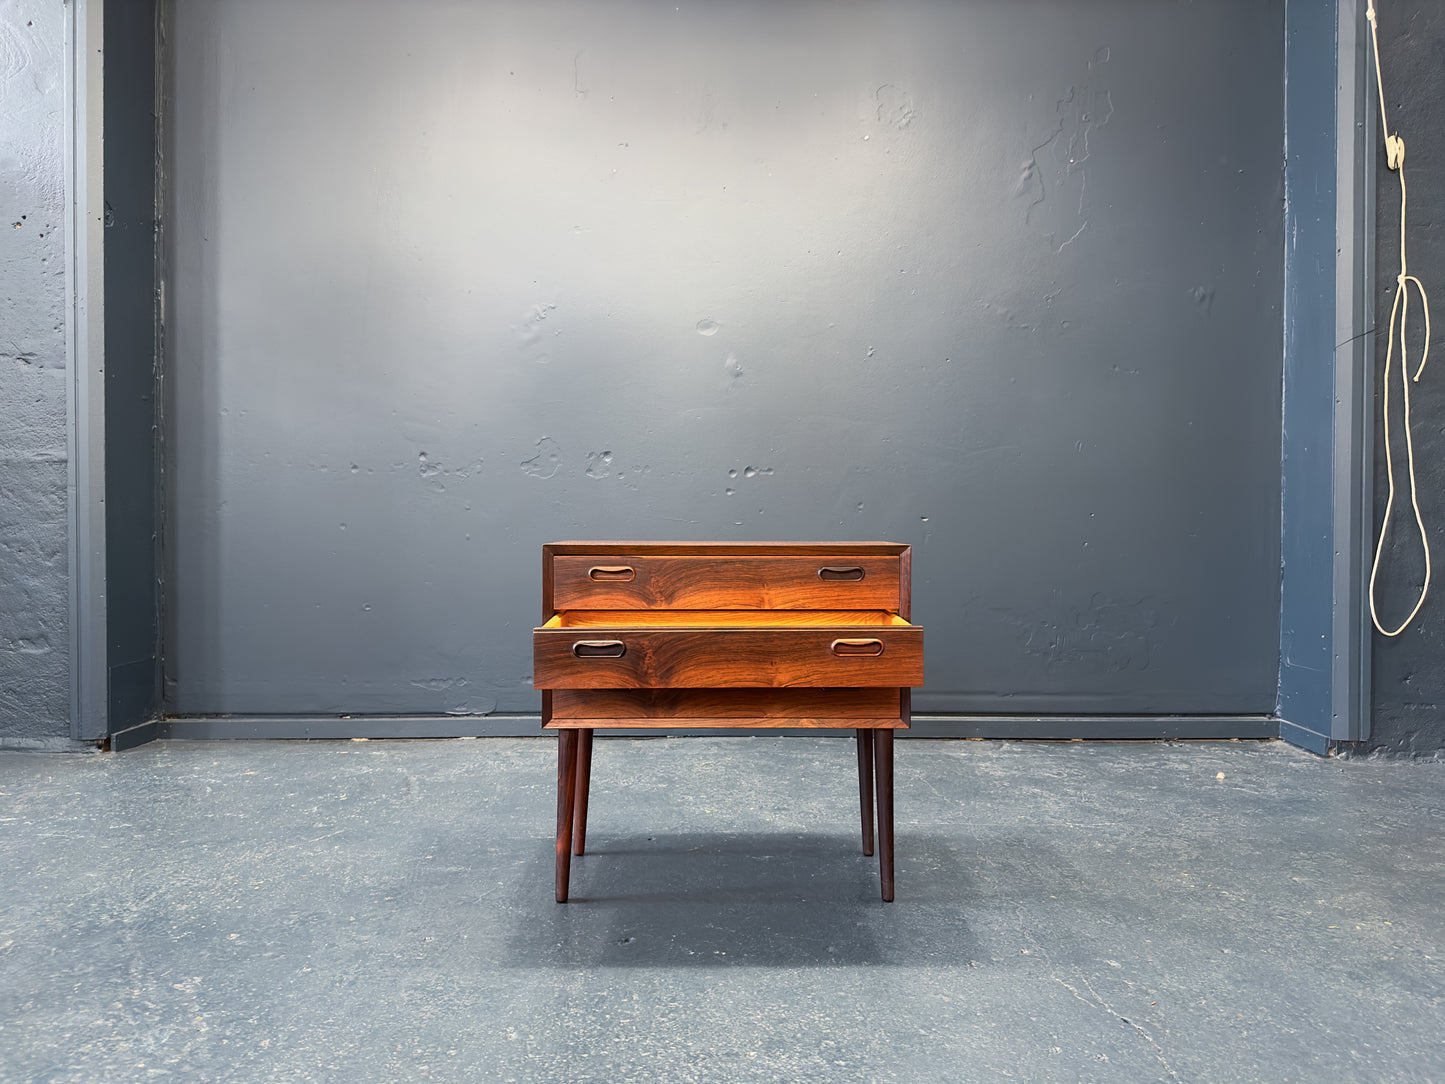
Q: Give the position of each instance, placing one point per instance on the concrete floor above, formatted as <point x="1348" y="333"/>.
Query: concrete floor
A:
<point x="382" y="911"/>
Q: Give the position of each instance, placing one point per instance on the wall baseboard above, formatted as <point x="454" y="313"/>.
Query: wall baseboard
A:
<point x="1010" y="727"/>
<point x="133" y="736"/>
<point x="1311" y="740"/>
<point x="1095" y="727"/>
<point x="48" y="745"/>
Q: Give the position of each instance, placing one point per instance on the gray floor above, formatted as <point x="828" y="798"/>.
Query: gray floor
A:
<point x="379" y="911"/>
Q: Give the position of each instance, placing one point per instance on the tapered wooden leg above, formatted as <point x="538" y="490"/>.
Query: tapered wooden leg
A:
<point x="883" y="768"/>
<point x="566" y="800"/>
<point x="584" y="782"/>
<point x="865" y="786"/>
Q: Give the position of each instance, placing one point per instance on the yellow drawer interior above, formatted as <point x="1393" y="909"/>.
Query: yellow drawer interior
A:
<point x="712" y="619"/>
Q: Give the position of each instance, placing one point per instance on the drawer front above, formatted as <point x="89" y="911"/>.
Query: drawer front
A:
<point x="623" y="582"/>
<point x="652" y="658"/>
<point x="871" y="709"/>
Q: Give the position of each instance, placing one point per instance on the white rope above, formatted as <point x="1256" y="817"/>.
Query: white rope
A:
<point x="1395" y="159"/>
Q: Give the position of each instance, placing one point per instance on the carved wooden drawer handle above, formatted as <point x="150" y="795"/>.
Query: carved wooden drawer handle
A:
<point x="611" y="573"/>
<point x="840" y="572"/>
<point x="599" y="649"/>
<point x="857" y="647"/>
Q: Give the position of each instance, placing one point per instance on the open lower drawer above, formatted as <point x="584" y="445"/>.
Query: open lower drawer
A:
<point x="680" y="649"/>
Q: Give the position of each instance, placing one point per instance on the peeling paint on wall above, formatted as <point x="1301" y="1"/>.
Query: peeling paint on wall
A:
<point x="547" y="462"/>
<point x="1098" y="634"/>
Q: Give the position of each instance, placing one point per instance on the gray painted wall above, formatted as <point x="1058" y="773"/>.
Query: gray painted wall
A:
<point x="999" y="280"/>
<point x="34" y="568"/>
<point x="1408" y="678"/>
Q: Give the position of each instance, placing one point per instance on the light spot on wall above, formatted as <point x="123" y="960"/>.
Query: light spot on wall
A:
<point x="895" y="107"/>
<point x="1100" y="635"/>
<point x="599" y="465"/>
<point x="1053" y="176"/>
<point x="474" y="705"/>
<point x="441" y="684"/>
<point x="547" y="462"/>
<point x="38" y="644"/>
<point x="434" y="471"/>
<point x="531" y="332"/>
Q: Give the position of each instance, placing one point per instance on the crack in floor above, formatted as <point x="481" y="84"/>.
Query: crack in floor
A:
<point x="1094" y="1000"/>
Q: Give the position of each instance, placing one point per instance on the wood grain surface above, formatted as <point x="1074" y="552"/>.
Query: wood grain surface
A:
<point x="722" y="582"/>
<point x="767" y="657"/>
<point x="764" y="708"/>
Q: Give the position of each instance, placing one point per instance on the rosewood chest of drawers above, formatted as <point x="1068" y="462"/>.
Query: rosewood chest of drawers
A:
<point x="726" y="634"/>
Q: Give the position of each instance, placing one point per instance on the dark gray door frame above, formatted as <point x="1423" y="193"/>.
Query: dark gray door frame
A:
<point x="1324" y="687"/>
<point x="85" y="357"/>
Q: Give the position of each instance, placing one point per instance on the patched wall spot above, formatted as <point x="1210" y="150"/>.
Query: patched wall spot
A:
<point x="547" y="462"/>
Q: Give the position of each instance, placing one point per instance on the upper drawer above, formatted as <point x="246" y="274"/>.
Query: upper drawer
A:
<point x="627" y="582"/>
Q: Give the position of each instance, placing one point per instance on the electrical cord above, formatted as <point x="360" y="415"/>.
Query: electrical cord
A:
<point x="1395" y="159"/>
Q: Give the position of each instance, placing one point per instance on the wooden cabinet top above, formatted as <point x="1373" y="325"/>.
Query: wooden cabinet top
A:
<point x="751" y="549"/>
